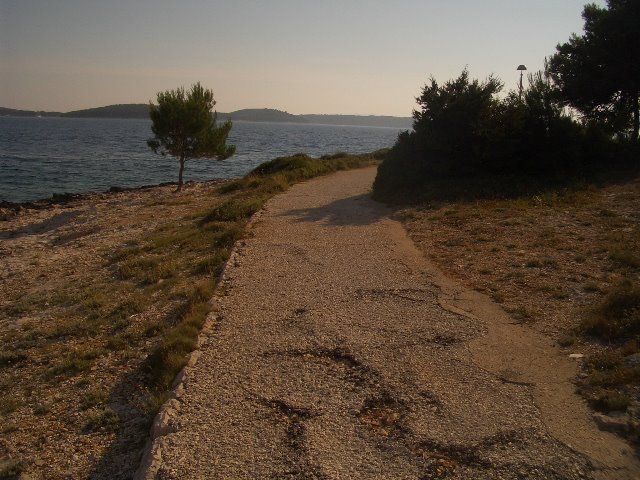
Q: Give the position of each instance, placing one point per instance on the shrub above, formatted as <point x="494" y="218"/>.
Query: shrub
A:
<point x="299" y="161"/>
<point x="233" y="210"/>
<point x="463" y="133"/>
<point x="333" y="156"/>
<point x="609" y="400"/>
<point x="617" y="315"/>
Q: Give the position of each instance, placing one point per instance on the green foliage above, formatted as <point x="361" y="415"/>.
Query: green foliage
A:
<point x="147" y="270"/>
<point x="233" y="210"/>
<point x="94" y="397"/>
<point x="301" y="166"/>
<point x="598" y="72"/>
<point x="213" y="264"/>
<point x="466" y="137"/>
<point x="184" y="127"/>
<point x="168" y="358"/>
<point x="454" y="119"/>
<point x="72" y="365"/>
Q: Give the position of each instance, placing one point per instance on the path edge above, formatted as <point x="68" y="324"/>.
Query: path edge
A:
<point x="151" y="459"/>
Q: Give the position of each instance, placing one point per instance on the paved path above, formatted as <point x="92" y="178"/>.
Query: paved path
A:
<point x="339" y="352"/>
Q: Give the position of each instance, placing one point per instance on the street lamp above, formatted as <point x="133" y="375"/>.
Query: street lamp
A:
<point x="522" y="68"/>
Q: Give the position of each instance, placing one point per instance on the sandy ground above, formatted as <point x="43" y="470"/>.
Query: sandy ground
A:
<point x="336" y="350"/>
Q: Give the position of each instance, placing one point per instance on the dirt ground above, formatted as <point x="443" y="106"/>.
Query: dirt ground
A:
<point x="548" y="260"/>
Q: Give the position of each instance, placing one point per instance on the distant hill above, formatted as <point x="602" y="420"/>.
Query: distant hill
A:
<point x="262" y="115"/>
<point x="271" y="115"/>
<point x="360" y="120"/>
<point x="141" y="110"/>
<point x="128" y="110"/>
<point x="26" y="113"/>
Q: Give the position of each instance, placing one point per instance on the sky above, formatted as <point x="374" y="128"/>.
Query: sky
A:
<point x="364" y="57"/>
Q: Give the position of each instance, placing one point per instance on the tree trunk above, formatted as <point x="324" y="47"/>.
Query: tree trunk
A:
<point x="636" y="116"/>
<point x="182" y="159"/>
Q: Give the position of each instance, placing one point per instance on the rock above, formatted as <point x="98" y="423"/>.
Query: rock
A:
<point x="632" y="360"/>
<point x="612" y="423"/>
<point x="576" y="356"/>
<point x="161" y="424"/>
<point x="65" y="197"/>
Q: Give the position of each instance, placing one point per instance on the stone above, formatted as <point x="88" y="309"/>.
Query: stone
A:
<point x="161" y="424"/>
<point x="612" y="423"/>
<point x="632" y="360"/>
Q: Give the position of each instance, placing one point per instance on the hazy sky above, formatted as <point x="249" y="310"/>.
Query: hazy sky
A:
<point x="302" y="56"/>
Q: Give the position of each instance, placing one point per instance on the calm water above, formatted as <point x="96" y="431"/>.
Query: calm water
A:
<point x="42" y="156"/>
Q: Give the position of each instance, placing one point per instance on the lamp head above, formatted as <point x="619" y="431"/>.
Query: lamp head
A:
<point x="521" y="67"/>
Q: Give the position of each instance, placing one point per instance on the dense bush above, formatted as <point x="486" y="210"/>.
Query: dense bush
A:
<point x="464" y="130"/>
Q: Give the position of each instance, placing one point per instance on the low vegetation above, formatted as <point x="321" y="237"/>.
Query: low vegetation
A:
<point x="95" y="329"/>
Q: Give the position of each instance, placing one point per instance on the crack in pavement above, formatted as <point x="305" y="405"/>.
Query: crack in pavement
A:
<point x="295" y="433"/>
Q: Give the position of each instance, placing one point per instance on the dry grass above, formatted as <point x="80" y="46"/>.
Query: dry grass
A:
<point x="567" y="263"/>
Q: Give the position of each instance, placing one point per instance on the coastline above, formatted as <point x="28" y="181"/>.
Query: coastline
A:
<point x="9" y="209"/>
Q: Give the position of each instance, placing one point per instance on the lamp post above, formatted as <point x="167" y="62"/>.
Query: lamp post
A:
<point x="522" y="68"/>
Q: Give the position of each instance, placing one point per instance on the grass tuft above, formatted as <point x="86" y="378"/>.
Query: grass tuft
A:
<point x="605" y="360"/>
<point x="625" y="258"/>
<point x="11" y="358"/>
<point x="147" y="270"/>
<point x="70" y="366"/>
<point x="233" y="211"/>
<point x="106" y="419"/>
<point x="94" y="397"/>
<point x="617" y="316"/>
<point x="567" y="340"/>
<point x="610" y="401"/>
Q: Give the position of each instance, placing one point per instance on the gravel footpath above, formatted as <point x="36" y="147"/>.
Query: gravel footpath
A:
<point x="336" y="351"/>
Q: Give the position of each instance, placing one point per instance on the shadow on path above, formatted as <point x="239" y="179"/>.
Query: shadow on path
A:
<point x="356" y="210"/>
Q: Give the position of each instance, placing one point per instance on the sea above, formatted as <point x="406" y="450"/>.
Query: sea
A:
<point x="42" y="156"/>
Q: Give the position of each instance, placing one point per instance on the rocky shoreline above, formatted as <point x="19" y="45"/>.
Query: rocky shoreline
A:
<point x="9" y="209"/>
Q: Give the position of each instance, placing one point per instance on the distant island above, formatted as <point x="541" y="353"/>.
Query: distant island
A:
<point x="141" y="110"/>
